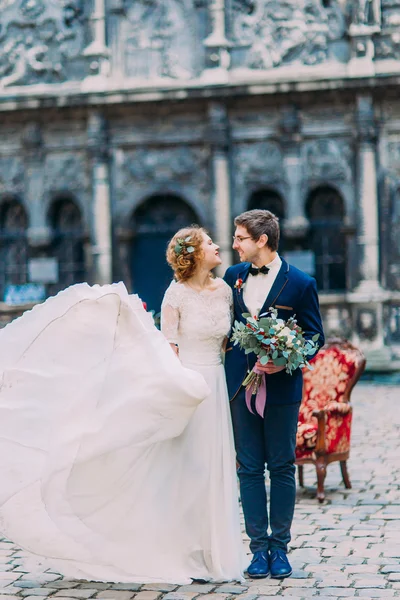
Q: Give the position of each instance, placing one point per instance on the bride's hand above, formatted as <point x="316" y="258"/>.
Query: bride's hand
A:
<point x="175" y="348"/>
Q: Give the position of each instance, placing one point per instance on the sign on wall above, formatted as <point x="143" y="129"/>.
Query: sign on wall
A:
<point x="43" y="270"/>
<point x="28" y="293"/>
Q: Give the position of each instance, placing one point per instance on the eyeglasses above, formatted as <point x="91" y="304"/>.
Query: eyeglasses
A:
<point x="239" y="238"/>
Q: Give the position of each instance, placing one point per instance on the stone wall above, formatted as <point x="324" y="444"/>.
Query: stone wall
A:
<point x="110" y="103"/>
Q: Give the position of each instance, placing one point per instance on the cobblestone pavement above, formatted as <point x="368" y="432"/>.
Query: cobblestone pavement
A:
<point x="347" y="547"/>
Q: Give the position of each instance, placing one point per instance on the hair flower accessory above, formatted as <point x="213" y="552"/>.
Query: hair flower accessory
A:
<point x="183" y="244"/>
<point x="238" y="284"/>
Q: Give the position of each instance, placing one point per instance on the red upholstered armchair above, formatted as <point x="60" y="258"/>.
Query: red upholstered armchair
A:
<point x="324" y="427"/>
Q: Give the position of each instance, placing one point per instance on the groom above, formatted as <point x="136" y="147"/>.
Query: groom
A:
<point x="264" y="279"/>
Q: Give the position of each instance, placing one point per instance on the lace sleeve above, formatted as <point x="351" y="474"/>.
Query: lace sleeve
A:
<point x="170" y="314"/>
<point x="228" y="294"/>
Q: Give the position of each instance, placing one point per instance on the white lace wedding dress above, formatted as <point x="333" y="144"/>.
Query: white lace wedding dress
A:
<point x="104" y="473"/>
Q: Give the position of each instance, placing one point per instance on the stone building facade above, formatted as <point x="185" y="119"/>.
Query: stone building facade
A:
<point x="121" y="120"/>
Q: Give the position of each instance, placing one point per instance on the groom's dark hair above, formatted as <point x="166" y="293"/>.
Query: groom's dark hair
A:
<point x="257" y="222"/>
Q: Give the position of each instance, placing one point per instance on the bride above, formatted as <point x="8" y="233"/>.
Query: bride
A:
<point x="116" y="458"/>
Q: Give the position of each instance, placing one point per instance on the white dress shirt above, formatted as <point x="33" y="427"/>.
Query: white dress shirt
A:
<point x="257" y="287"/>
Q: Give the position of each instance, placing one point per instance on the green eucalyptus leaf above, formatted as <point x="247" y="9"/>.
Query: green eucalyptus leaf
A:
<point x="188" y="238"/>
<point x="280" y="362"/>
<point x="190" y="249"/>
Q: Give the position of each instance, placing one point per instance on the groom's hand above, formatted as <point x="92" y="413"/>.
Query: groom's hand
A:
<point x="269" y="368"/>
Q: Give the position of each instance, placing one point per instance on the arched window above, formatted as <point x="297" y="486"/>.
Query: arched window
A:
<point x="269" y="200"/>
<point x="13" y="245"/>
<point x="67" y="247"/>
<point x="325" y="211"/>
<point x="154" y="223"/>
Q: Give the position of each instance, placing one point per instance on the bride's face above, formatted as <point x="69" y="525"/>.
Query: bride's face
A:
<point x="211" y="258"/>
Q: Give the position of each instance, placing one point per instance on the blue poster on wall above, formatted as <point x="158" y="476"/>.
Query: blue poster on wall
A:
<point x="27" y="293"/>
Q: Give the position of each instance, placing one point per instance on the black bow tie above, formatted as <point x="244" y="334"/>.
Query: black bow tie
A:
<point x="254" y="271"/>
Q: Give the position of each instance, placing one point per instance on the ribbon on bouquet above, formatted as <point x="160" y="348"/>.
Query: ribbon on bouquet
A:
<point x="256" y="384"/>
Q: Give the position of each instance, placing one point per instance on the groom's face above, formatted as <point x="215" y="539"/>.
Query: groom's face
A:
<point x="247" y="248"/>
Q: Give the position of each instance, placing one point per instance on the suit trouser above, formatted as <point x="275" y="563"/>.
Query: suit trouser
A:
<point x="270" y="441"/>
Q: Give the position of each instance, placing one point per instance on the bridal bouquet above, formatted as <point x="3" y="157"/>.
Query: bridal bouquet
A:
<point x="273" y="339"/>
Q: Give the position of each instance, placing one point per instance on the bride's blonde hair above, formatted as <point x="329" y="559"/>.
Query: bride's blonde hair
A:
<point x="184" y="251"/>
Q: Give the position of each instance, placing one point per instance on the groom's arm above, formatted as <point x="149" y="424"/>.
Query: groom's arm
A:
<point x="309" y="316"/>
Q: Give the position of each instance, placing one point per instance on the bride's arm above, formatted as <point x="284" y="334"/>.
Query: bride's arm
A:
<point x="170" y="319"/>
<point x="169" y="326"/>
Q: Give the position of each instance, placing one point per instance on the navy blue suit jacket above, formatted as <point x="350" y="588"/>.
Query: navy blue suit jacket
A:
<point x="293" y="293"/>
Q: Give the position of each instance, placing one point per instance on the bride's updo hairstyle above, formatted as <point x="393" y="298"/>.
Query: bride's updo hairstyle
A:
<point x="184" y="251"/>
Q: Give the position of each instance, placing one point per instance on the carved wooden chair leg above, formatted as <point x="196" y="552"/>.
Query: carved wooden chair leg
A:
<point x="345" y="474"/>
<point x="301" y="475"/>
<point x="321" y="474"/>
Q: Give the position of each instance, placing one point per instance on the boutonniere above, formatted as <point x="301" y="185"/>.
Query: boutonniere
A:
<point x="238" y="284"/>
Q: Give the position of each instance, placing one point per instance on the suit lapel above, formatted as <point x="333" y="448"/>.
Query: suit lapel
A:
<point x="278" y="285"/>
<point x="243" y="274"/>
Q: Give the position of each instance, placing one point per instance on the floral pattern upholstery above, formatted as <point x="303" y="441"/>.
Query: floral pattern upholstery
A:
<point x="324" y="389"/>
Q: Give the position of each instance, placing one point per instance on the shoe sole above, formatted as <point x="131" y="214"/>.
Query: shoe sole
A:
<point x="259" y="576"/>
<point x="281" y="576"/>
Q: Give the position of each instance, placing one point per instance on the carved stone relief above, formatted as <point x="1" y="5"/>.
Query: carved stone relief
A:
<point x="258" y="163"/>
<point x="270" y="34"/>
<point x="66" y="171"/>
<point x="327" y="160"/>
<point x="387" y="44"/>
<point x="366" y="12"/>
<point x="39" y="41"/>
<point x="393" y="154"/>
<point x="146" y="167"/>
<point x="394" y="246"/>
<point x="11" y="175"/>
<point x="366" y="323"/>
<point x="337" y="321"/>
<point x="392" y="321"/>
<point x="162" y="39"/>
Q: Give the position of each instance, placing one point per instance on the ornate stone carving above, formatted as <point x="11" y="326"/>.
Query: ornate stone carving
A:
<point x="393" y="154"/>
<point x="327" y="159"/>
<point x="258" y="163"/>
<point x="365" y="118"/>
<point x="387" y="45"/>
<point x="66" y="172"/>
<point x="366" y="324"/>
<point x="11" y="175"/>
<point x="97" y="135"/>
<point x="186" y="166"/>
<point x="337" y="321"/>
<point x="278" y="32"/>
<point x="161" y="40"/>
<point x="392" y="321"/>
<point x="393" y="247"/>
<point x="39" y="40"/>
<point x="366" y="12"/>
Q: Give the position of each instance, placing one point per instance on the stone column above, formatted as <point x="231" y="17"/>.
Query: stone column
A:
<point x="367" y="185"/>
<point x="116" y="23"/>
<point x="39" y="234"/>
<point x="217" y="45"/>
<point x="367" y="300"/>
<point x="97" y="50"/>
<point x="296" y="223"/>
<point x="101" y="221"/>
<point x="219" y="140"/>
<point x="365" y="24"/>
